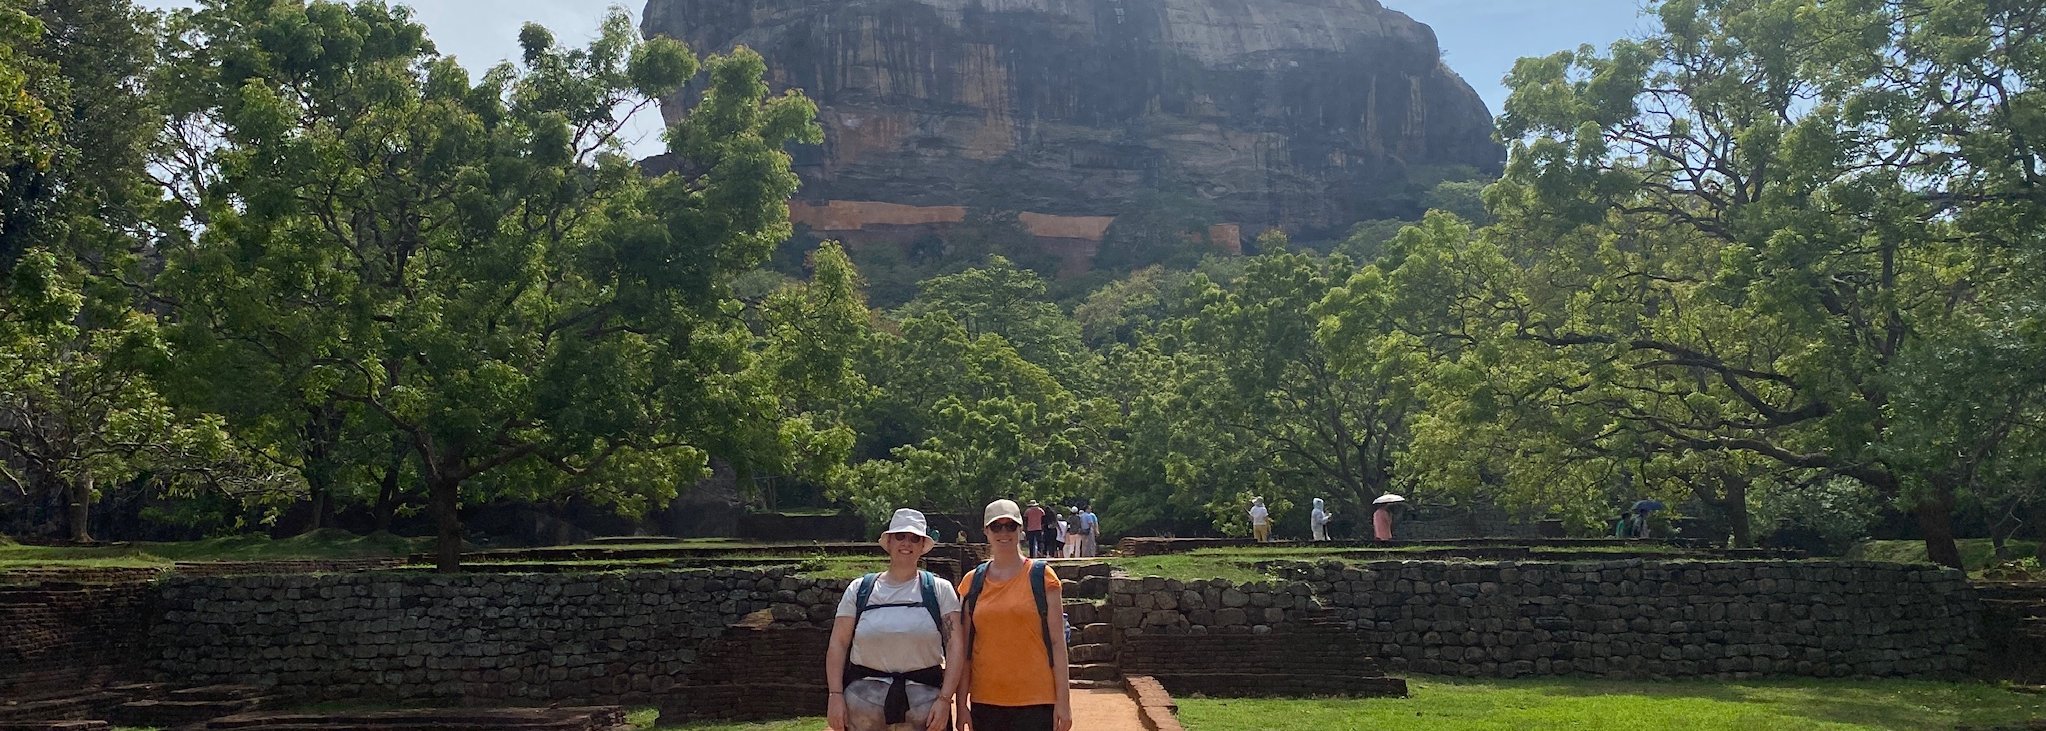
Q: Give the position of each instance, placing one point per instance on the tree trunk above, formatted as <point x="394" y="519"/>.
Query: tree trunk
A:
<point x="322" y="504"/>
<point x="386" y="509"/>
<point x="78" y="508"/>
<point x="1736" y="511"/>
<point x="446" y="498"/>
<point x="1936" y="521"/>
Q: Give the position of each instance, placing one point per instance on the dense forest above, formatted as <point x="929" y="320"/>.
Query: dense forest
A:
<point x="1774" y="261"/>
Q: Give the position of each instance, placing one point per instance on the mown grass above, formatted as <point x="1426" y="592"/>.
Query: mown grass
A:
<point x="328" y="544"/>
<point x="1976" y="553"/>
<point x="1460" y="705"/>
<point x="1241" y="564"/>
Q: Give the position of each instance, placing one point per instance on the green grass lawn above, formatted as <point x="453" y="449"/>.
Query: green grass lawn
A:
<point x="1443" y="704"/>
<point x="1976" y="553"/>
<point x="329" y="544"/>
<point x="643" y="719"/>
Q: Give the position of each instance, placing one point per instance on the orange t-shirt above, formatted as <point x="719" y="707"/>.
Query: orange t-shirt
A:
<point x="1009" y="664"/>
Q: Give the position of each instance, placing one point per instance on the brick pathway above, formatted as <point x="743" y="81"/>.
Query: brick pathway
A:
<point x="1104" y="709"/>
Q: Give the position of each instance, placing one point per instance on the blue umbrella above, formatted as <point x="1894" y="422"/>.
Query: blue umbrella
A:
<point x="1648" y="506"/>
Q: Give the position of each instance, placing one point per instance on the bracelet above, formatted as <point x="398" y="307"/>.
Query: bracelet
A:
<point x="835" y="692"/>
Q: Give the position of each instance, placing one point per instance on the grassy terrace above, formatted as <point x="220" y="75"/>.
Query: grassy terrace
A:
<point x="1241" y="565"/>
<point x="328" y="545"/>
<point x="1460" y="705"/>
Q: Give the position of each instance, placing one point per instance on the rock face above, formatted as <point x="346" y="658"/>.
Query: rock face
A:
<point x="1304" y="114"/>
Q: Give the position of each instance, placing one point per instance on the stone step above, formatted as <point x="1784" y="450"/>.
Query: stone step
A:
<point x="1094" y="634"/>
<point x="1085" y="654"/>
<point x="55" y="726"/>
<point x="1096" y="671"/>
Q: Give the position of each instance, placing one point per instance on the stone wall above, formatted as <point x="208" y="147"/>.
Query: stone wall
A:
<point x="530" y="637"/>
<point x="1629" y="618"/>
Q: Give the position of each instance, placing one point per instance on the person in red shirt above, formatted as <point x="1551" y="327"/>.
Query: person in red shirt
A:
<point x="1034" y="530"/>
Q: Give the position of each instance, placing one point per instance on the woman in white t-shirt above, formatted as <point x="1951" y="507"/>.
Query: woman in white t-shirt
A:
<point x="894" y="660"/>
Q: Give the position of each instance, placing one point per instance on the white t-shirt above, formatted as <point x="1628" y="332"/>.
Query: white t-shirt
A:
<point x="1257" y="515"/>
<point x="898" y="639"/>
<point x="1059" y="524"/>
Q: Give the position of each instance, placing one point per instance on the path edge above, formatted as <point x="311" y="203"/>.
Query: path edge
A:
<point x="1155" y="707"/>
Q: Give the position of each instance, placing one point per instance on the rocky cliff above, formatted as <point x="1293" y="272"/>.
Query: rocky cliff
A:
<point x="1306" y="114"/>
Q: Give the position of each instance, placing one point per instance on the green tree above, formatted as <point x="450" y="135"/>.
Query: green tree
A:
<point x="1266" y="400"/>
<point x="977" y="421"/>
<point x="1732" y="234"/>
<point x="474" y="262"/>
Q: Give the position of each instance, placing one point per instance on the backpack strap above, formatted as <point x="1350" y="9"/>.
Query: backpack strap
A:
<point x="1039" y="592"/>
<point x="972" y="600"/>
<point x="863" y="590"/>
<point x="929" y="584"/>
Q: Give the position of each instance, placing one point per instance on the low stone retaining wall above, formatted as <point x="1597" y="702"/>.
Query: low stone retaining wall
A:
<point x="471" y="637"/>
<point x="1622" y="618"/>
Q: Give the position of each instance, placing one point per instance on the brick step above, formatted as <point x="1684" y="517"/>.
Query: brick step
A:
<point x="597" y="718"/>
<point x="176" y="712"/>
<point x="223" y="692"/>
<point x="55" y="726"/>
<point x="1086" y="654"/>
<point x="1096" y="684"/>
<point x="1095" y="671"/>
<point x="2016" y="607"/>
<point x="66" y="707"/>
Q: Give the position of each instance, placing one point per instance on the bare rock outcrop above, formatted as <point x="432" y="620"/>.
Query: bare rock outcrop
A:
<point x="1304" y="114"/>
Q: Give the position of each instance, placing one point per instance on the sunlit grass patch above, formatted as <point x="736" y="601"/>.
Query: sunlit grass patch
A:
<point x="1462" y="705"/>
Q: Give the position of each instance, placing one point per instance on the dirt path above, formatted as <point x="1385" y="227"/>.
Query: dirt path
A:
<point x="1104" y="710"/>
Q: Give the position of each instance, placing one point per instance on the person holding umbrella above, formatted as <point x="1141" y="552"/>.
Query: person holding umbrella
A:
<point x="1641" y="510"/>
<point x="1381" y="516"/>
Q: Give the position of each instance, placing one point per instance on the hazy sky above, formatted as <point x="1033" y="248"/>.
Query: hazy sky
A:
<point x="1481" y="37"/>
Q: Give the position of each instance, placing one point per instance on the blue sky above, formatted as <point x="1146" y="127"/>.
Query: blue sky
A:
<point x="1482" y="38"/>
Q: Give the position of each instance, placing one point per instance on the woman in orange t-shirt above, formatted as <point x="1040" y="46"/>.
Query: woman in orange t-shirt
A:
<point x="1010" y="682"/>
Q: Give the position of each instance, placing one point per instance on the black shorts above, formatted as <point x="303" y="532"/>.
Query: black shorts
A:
<point x="1012" y="718"/>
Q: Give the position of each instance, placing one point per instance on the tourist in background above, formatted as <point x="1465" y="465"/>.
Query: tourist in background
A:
<point x="896" y="655"/>
<point x="1060" y="548"/>
<point x="1090" y="545"/>
<point x="1318" y="521"/>
<point x="1016" y="672"/>
<point x="1381" y="522"/>
<point x="1033" y="528"/>
<point x="1260" y="520"/>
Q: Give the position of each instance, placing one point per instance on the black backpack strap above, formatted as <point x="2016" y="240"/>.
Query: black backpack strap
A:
<point x="972" y="599"/>
<point x="929" y="584"/>
<point x="1039" y="591"/>
<point x="863" y="590"/>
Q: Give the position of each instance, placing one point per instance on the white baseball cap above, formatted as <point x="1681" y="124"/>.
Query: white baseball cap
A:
<point x="1000" y="509"/>
<point x="908" y="520"/>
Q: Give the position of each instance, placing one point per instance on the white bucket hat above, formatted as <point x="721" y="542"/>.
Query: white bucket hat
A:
<point x="908" y="520"/>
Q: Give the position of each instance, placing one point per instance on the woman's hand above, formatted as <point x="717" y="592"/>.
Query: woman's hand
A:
<point x="834" y="714"/>
<point x="1062" y="717"/>
<point x="962" y="713"/>
<point x="941" y="717"/>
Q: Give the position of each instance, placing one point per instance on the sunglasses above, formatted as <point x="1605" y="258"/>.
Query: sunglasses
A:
<point x="911" y="537"/>
<point x="1004" y="526"/>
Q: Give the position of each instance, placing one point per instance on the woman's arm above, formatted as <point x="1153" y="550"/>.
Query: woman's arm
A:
<point x="962" y="701"/>
<point x="955" y="669"/>
<point x="834" y="672"/>
<point x="1061" y="667"/>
